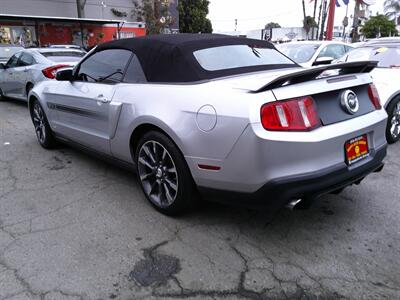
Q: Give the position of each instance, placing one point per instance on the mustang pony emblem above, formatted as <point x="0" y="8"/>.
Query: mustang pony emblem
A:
<point x="349" y="102"/>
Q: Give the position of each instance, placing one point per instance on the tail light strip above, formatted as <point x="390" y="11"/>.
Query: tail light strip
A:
<point x="299" y="114"/>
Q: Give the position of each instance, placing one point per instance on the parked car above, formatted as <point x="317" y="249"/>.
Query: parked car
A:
<point x="66" y="46"/>
<point x="386" y="78"/>
<point x="216" y="114"/>
<point x="28" y="67"/>
<point x="314" y="53"/>
<point x="384" y="40"/>
<point x="6" y="51"/>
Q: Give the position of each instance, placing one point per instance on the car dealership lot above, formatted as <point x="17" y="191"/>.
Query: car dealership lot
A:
<point x="74" y="227"/>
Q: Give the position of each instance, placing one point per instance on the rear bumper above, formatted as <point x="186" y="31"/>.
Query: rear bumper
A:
<point x="278" y="192"/>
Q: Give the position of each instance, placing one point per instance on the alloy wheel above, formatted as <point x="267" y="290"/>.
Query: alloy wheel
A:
<point x="395" y="122"/>
<point x="39" y="123"/>
<point x="157" y="173"/>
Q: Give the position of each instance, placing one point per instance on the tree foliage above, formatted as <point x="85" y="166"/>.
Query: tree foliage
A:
<point x="309" y="23"/>
<point x="377" y="26"/>
<point x="155" y="13"/>
<point x="392" y="8"/>
<point x="193" y="16"/>
<point x="271" y="25"/>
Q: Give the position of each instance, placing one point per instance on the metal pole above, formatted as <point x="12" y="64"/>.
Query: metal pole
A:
<point x="83" y="44"/>
<point x="355" y="22"/>
<point x="331" y="20"/>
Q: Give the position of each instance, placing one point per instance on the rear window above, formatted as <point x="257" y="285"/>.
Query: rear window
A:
<point x="387" y="57"/>
<point x="59" y="56"/>
<point x="238" y="56"/>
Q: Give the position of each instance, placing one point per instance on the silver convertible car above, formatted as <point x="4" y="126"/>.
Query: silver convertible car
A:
<point x="226" y="117"/>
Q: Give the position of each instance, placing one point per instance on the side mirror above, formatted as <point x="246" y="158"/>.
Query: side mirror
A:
<point x="3" y="66"/>
<point x="64" y="75"/>
<point x="323" y="60"/>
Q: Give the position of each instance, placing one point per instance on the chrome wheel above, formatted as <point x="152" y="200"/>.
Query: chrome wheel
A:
<point x="157" y="173"/>
<point x="39" y="123"/>
<point x="395" y="122"/>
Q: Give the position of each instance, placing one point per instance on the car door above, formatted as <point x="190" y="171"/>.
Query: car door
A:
<point x="8" y="83"/>
<point x="84" y="106"/>
<point x="23" y="73"/>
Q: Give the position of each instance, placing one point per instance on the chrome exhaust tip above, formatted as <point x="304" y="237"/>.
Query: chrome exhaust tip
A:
<point x="292" y="204"/>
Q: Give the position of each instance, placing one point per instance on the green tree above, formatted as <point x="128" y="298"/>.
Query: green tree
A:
<point x="193" y="16"/>
<point x="309" y="23"/>
<point x="378" y="26"/>
<point x="155" y="13"/>
<point x="392" y="9"/>
<point x="271" y="25"/>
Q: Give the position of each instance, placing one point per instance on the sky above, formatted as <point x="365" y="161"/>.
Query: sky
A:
<point x="254" y="14"/>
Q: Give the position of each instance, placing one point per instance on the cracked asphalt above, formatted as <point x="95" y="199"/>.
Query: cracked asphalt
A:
<point x="74" y="227"/>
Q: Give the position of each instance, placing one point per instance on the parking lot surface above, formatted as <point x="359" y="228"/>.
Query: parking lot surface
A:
<point x="75" y="227"/>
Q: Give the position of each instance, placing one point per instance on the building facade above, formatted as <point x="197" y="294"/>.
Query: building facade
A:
<point x="44" y="22"/>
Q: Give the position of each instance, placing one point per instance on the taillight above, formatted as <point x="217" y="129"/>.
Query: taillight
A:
<point x="299" y="114"/>
<point x="374" y="96"/>
<point x="50" y="72"/>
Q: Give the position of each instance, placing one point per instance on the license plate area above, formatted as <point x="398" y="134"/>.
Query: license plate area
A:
<point x="356" y="149"/>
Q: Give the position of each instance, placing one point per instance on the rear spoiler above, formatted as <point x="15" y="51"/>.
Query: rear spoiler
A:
<point x="314" y="73"/>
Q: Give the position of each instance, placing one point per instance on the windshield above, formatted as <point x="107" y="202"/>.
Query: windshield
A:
<point x="60" y="56"/>
<point x="7" y="52"/>
<point x="387" y="57"/>
<point x="238" y="56"/>
<point x="300" y="53"/>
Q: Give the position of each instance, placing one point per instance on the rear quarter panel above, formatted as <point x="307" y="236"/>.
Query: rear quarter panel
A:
<point x="175" y="110"/>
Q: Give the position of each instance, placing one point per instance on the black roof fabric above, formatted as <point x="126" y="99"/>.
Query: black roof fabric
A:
<point x="169" y="57"/>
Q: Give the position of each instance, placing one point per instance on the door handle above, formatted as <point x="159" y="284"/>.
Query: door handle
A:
<point x="26" y="70"/>
<point x="103" y="99"/>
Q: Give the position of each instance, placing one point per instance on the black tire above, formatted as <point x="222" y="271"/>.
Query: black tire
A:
<point x="393" y="110"/>
<point x="42" y="128"/>
<point x="155" y="170"/>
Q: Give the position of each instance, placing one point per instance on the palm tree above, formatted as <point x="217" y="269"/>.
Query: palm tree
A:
<point x="392" y="9"/>
<point x="304" y="10"/>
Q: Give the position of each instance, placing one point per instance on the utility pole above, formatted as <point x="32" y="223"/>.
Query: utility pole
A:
<point x="345" y="23"/>
<point x="324" y="11"/>
<point x="236" y="23"/>
<point x="355" y="36"/>
<point x="315" y="11"/>
<point x="319" y="20"/>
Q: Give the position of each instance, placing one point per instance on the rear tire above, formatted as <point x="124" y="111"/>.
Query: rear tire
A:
<point x="42" y="128"/>
<point x="393" y="125"/>
<point x="163" y="174"/>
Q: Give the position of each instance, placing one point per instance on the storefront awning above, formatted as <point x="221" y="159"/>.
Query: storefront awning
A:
<point x="4" y="17"/>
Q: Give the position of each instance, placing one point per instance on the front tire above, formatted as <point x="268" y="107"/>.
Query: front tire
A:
<point x="42" y="128"/>
<point x="163" y="174"/>
<point x="393" y="126"/>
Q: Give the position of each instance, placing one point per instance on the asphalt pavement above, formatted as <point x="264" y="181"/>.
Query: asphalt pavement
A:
<point x="75" y="227"/>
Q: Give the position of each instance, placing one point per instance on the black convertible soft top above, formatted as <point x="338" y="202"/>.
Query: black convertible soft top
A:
<point x="169" y="57"/>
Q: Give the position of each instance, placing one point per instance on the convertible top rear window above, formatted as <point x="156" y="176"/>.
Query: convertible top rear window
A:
<point x="238" y="56"/>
